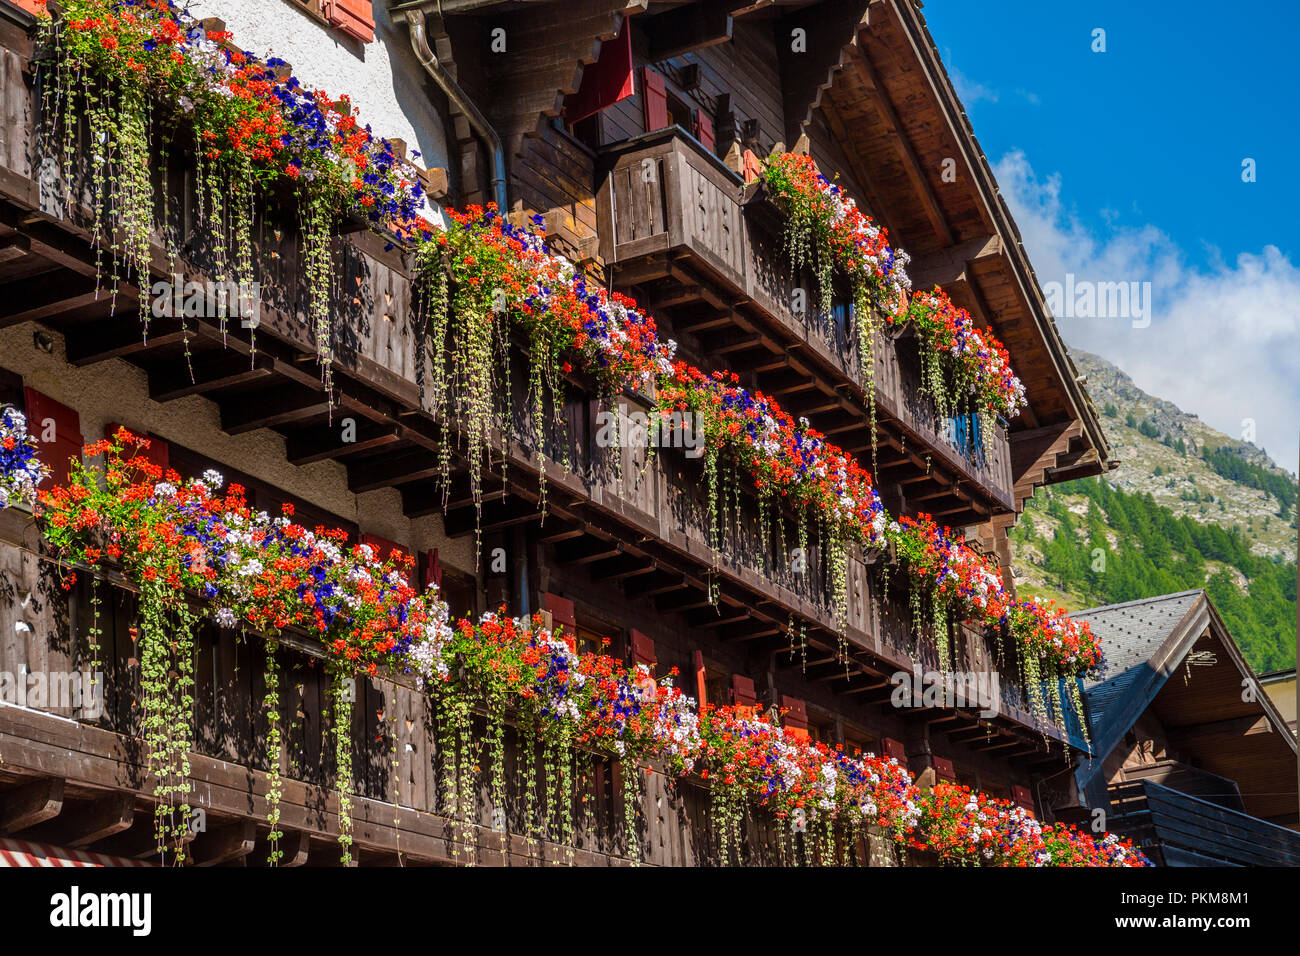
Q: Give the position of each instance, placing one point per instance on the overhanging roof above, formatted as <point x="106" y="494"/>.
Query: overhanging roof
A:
<point x="1173" y="655"/>
<point x="891" y="103"/>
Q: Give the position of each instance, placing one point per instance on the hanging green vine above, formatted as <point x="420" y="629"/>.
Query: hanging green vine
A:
<point x="341" y="693"/>
<point x="274" y="752"/>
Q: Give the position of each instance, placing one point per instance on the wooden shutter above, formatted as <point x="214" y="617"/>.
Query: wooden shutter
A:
<point x="1023" y="797"/>
<point x="654" y="96"/>
<point x="430" y="569"/>
<point x="353" y="17"/>
<point x="795" y="719"/>
<point x="744" y="695"/>
<point x="643" y="649"/>
<point x="158" y="451"/>
<point x="384" y="547"/>
<point x="701" y="680"/>
<point x="66" y="441"/>
<point x="894" y="748"/>
<point x="606" y="81"/>
<point x="943" y="769"/>
<point x="704" y="129"/>
<point x="561" y="612"/>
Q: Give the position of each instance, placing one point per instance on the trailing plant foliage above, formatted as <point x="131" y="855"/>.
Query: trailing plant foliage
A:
<point x="137" y="70"/>
<point x="179" y="542"/>
<point x="131" y="76"/>
<point x="963" y="368"/>
<point x="481" y="279"/>
<point x="134" y="76"/>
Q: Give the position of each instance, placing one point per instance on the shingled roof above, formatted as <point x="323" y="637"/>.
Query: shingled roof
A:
<point x="1131" y="636"/>
<point x="1237" y="736"/>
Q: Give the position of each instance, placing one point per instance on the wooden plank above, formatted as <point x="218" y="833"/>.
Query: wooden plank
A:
<point x="29" y="804"/>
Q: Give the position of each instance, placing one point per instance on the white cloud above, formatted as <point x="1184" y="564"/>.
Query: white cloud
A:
<point x="1223" y="341"/>
<point x="968" y="91"/>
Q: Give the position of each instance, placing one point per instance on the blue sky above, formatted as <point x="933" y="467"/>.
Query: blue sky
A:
<point x="1126" y="165"/>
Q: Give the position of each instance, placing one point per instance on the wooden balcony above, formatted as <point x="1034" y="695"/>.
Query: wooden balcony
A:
<point x="1178" y="829"/>
<point x="75" y="772"/>
<point x="644" y="526"/>
<point x="700" y="247"/>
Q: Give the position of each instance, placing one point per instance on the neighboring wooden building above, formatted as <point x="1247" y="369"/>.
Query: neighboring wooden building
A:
<point x="1193" y="760"/>
<point x="1281" y="690"/>
<point x="618" y="557"/>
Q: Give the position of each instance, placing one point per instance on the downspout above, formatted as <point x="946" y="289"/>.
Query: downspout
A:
<point x="413" y="16"/>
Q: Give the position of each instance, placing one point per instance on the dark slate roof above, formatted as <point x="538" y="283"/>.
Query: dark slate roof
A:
<point x="1130" y="635"/>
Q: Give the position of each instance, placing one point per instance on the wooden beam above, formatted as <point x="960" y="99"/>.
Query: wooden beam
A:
<point x="294" y="846"/>
<point x="897" y="134"/>
<point x="586" y="552"/>
<point x="949" y="265"/>
<point x="326" y="442"/>
<point x="620" y="567"/>
<point x="686" y="29"/>
<point x="269" y="409"/>
<point x="103" y="817"/>
<point x="30" y="803"/>
<point x="386" y="471"/>
<point x="211" y="372"/>
<point x="118" y="337"/>
<point x="492" y="516"/>
<point x="224" y="844"/>
<point x="46" y="295"/>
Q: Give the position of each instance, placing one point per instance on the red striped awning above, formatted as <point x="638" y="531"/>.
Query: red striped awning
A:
<point x="22" y="853"/>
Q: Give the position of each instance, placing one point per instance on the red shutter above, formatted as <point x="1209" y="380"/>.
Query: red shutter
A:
<point x="743" y="695"/>
<point x="1023" y="797"/>
<point x="894" y="748"/>
<point x="795" y="719"/>
<point x="701" y="680"/>
<point x="383" y="548"/>
<point x="66" y="441"/>
<point x="561" y="611"/>
<point x="643" y="649"/>
<point x="704" y="130"/>
<point x="606" y="81"/>
<point x="353" y="17"/>
<point x="751" y="168"/>
<point x="31" y="6"/>
<point x="654" y="95"/>
<point x="743" y="691"/>
<point x="430" y="569"/>
<point x="943" y="769"/>
<point x="157" y="452"/>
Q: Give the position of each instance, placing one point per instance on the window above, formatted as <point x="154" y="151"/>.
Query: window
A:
<point x="995" y="788"/>
<point x="717" y="684"/>
<point x="823" y="733"/>
<point x="856" y="743"/>
<point x="593" y="642"/>
<point x="680" y="113"/>
<point x="460" y="591"/>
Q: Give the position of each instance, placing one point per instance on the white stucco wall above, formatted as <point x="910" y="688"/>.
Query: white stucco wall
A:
<point x="383" y="79"/>
<point x="116" y="391"/>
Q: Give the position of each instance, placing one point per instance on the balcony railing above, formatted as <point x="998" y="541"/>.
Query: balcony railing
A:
<point x="663" y="504"/>
<point x="399" y="804"/>
<point x="664" y="195"/>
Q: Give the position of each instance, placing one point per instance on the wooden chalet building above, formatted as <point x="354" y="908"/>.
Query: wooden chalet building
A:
<point x="621" y="555"/>
<point x="1192" y="759"/>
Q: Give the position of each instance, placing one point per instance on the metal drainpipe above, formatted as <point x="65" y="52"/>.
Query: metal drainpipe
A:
<point x="414" y="19"/>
